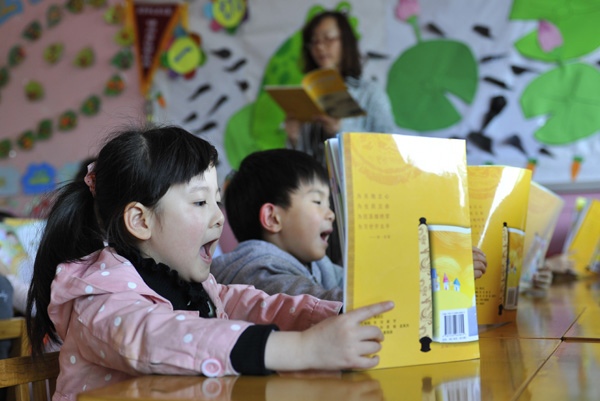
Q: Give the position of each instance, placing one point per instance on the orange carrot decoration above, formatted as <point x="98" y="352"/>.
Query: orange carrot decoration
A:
<point x="161" y="100"/>
<point x="531" y="163"/>
<point x="576" y="167"/>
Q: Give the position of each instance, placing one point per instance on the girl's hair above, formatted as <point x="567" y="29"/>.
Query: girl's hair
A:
<point x="135" y="165"/>
<point x="350" y="65"/>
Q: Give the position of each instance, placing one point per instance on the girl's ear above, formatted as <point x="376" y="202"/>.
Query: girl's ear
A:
<point x="269" y="218"/>
<point x="137" y="220"/>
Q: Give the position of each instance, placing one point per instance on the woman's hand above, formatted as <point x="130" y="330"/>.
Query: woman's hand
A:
<point x="336" y="343"/>
<point x="331" y="125"/>
<point x="479" y="262"/>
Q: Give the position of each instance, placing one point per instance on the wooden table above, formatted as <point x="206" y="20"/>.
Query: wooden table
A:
<point x="526" y="360"/>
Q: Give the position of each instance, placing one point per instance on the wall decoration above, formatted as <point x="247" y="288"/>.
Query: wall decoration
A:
<point x="33" y="31"/>
<point x="91" y="106"/>
<point x="115" y="15"/>
<point x="34" y="91"/>
<point x="67" y="121"/>
<point x="26" y="140"/>
<point x="9" y="181"/>
<point x="38" y="178"/>
<point x="123" y="60"/>
<point x="125" y="36"/>
<point x="226" y="14"/>
<point x="53" y="15"/>
<point x="44" y="130"/>
<point x="5" y="148"/>
<point x="153" y="25"/>
<point x="3" y="76"/>
<point x="85" y="58"/>
<point x="16" y="56"/>
<point x="114" y="86"/>
<point x="75" y="6"/>
<point x="183" y="55"/>
<point x="53" y="53"/>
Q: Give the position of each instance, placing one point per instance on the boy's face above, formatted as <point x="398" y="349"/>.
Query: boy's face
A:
<point x="307" y="223"/>
<point x="186" y="227"/>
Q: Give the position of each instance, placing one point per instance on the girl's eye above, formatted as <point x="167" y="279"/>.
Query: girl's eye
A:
<point x="200" y="203"/>
<point x="318" y="202"/>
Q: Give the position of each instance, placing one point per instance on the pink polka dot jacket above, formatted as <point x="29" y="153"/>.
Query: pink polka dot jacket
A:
<point x="115" y="327"/>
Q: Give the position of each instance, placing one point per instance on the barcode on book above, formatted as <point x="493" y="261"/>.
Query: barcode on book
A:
<point x="511" y="297"/>
<point x="452" y="325"/>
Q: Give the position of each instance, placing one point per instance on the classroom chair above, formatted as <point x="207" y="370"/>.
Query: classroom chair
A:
<point x="21" y="369"/>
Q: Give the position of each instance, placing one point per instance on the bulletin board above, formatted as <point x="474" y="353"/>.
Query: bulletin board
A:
<point x="462" y="69"/>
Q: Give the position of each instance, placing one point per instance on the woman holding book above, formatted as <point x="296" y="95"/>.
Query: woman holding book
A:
<point x="329" y="42"/>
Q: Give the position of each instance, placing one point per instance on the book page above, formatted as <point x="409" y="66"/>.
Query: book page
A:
<point x="328" y="90"/>
<point x="295" y="102"/>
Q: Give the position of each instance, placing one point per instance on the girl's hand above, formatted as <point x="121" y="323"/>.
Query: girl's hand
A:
<point x="336" y="343"/>
<point x="331" y="125"/>
<point x="479" y="262"/>
<point x="292" y="130"/>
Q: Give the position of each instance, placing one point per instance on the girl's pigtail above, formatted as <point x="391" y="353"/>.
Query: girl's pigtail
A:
<point x="71" y="232"/>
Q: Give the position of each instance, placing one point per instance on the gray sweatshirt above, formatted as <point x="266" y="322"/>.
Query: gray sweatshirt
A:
<point x="268" y="268"/>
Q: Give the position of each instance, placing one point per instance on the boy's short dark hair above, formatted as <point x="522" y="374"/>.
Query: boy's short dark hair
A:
<point x="268" y="176"/>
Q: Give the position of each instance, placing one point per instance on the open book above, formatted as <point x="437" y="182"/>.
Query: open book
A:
<point x="498" y="198"/>
<point x="403" y="244"/>
<point x="543" y="212"/>
<point x="322" y="92"/>
<point x="583" y="240"/>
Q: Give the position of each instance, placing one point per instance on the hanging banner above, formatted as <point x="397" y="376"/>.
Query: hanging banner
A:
<point x="153" y="25"/>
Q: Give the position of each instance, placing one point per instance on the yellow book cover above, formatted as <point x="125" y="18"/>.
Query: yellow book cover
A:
<point x="322" y="92"/>
<point x="498" y="198"/>
<point x="407" y="231"/>
<point x="543" y="212"/>
<point x="584" y="238"/>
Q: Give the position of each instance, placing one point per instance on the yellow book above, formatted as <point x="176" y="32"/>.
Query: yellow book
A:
<point x="407" y="239"/>
<point x="543" y="212"/>
<point x="584" y="238"/>
<point x="322" y="92"/>
<point x="498" y="199"/>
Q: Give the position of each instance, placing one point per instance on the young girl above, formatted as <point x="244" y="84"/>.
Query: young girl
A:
<point x="147" y="303"/>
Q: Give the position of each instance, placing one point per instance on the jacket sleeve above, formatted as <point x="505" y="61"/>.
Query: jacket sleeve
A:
<point x="288" y="312"/>
<point x="273" y="281"/>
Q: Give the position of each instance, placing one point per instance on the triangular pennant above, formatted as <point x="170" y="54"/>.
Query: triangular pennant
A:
<point x="153" y="24"/>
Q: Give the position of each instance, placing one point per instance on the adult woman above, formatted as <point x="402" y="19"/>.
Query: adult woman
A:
<point x="329" y="42"/>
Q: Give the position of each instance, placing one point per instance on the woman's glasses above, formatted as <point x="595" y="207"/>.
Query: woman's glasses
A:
<point x="325" y="41"/>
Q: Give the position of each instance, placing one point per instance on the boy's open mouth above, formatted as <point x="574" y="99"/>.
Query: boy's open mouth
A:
<point x="325" y="235"/>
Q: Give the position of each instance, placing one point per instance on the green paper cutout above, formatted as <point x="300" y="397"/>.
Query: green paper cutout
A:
<point x="91" y="106"/>
<point x="419" y="80"/>
<point x="577" y="21"/>
<point x="123" y="60"/>
<point x="67" y="121"/>
<point x="33" y="31"/>
<point x="75" y="6"/>
<point x="570" y="96"/>
<point x="16" y="55"/>
<point x="4" y="76"/>
<point x="34" y="91"/>
<point x="53" y="15"/>
<point x="26" y="140"/>
<point x="115" y="15"/>
<point x="258" y="125"/>
<point x="114" y="86"/>
<point x="44" y="130"/>
<point x="5" y="148"/>
<point x="85" y="58"/>
<point x="125" y="37"/>
<point x="53" y="52"/>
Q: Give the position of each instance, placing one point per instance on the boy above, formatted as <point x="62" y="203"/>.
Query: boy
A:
<point x="278" y="207"/>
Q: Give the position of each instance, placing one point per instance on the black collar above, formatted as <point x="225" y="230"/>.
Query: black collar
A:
<point x="182" y="294"/>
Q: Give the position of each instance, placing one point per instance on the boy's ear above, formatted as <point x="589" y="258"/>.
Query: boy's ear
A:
<point x="269" y="218"/>
<point x="137" y="220"/>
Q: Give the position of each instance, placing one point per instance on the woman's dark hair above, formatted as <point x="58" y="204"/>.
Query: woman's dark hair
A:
<point x="350" y="65"/>
<point x="135" y="165"/>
